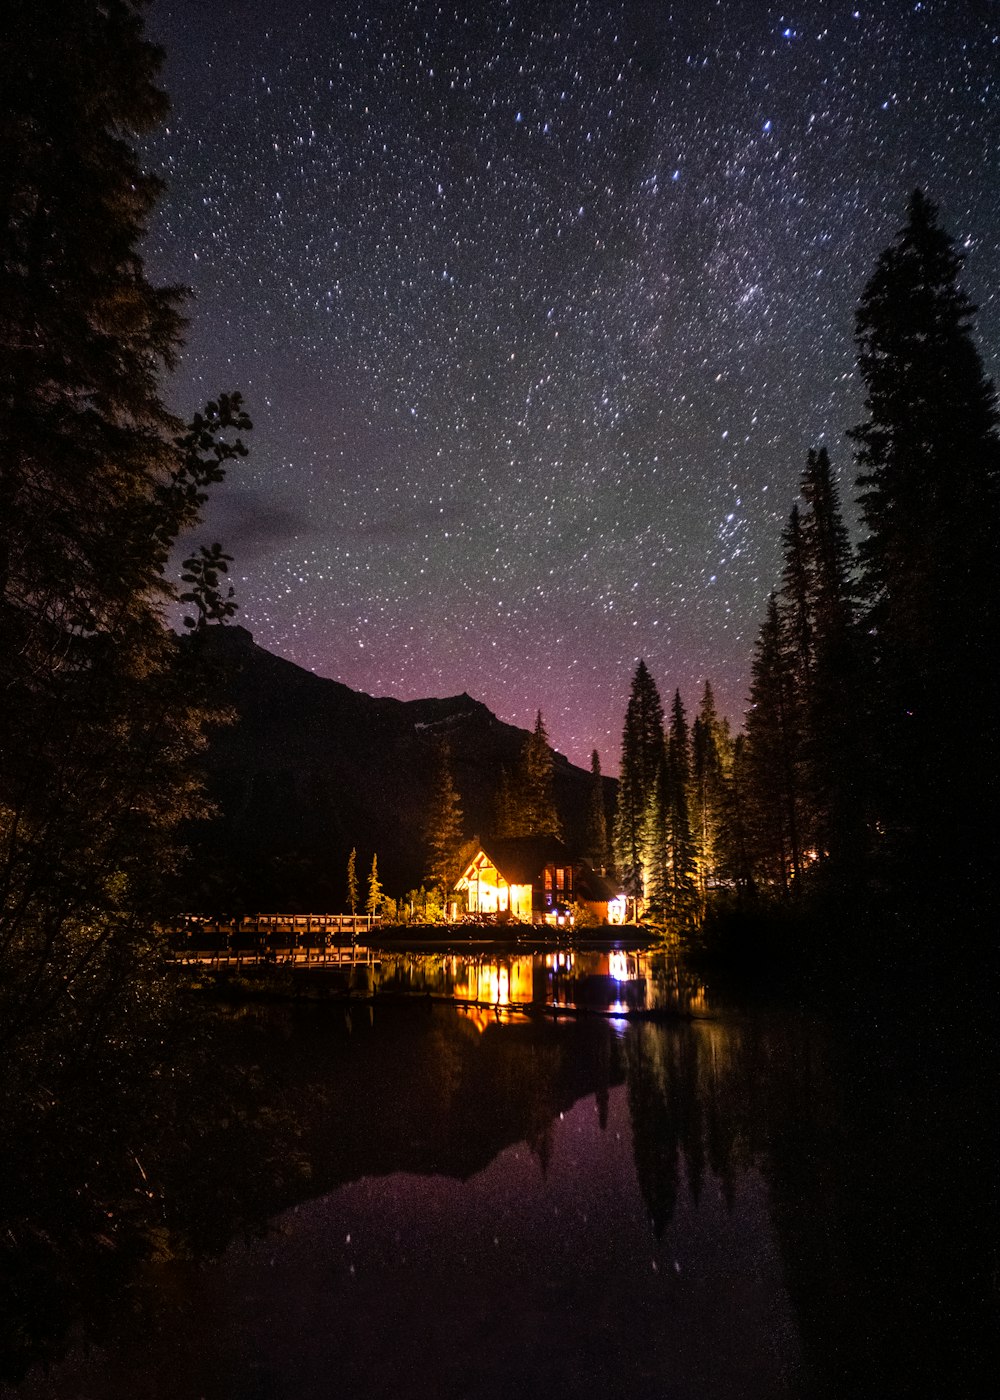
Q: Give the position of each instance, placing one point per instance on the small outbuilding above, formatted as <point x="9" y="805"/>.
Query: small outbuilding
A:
<point x="599" y="895"/>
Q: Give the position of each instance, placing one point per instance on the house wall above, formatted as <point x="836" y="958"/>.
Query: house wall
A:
<point x="520" y="902"/>
<point x="489" y="892"/>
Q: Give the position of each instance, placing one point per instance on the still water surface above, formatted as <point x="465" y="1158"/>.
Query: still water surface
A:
<point x="483" y="1198"/>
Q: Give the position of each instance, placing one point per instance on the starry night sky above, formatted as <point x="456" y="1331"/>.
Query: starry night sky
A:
<point x="537" y="308"/>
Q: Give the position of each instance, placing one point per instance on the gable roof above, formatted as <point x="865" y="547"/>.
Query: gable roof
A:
<point x="521" y="859"/>
<point x="592" y="885"/>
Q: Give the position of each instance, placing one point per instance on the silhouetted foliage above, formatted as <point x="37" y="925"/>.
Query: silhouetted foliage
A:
<point x="596" y="843"/>
<point x="443" y="828"/>
<point x="526" y="804"/>
<point x="103" y="709"/>
<point x="929" y="455"/>
<point x="773" y="768"/>
<point x="836" y="701"/>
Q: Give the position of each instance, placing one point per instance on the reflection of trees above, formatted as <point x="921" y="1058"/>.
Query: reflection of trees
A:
<point x="689" y="1100"/>
<point x="874" y="1153"/>
<point x="871" y="1144"/>
<point x="883" y="1185"/>
<point x="655" y="1126"/>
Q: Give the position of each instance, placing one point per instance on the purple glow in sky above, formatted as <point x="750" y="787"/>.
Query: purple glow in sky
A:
<point x="537" y="309"/>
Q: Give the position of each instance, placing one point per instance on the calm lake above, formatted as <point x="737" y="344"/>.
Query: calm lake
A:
<point x="562" y="1174"/>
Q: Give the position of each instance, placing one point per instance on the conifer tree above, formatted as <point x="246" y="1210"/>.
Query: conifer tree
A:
<point x="797" y="644"/>
<point x="656" y="848"/>
<point x="443" y="828"/>
<point x="352" y="880"/>
<point x="525" y="803"/>
<point x="709" y="745"/>
<point x="737" y="855"/>
<point x="375" y="892"/>
<point x="796" y="605"/>
<point x="828" y="550"/>
<point x="929" y="455"/>
<point x="681" y="860"/>
<point x="642" y="749"/>
<point x="537" y="791"/>
<point x="597" y="821"/>
<point x="102" y="709"/>
<point x="773" y="767"/>
<point x="505" y="816"/>
<point x="837" y="699"/>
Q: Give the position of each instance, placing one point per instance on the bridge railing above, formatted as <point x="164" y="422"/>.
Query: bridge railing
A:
<point x="274" y="937"/>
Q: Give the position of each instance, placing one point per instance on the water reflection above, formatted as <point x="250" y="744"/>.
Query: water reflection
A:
<point x="408" y="1198"/>
<point x="611" y="980"/>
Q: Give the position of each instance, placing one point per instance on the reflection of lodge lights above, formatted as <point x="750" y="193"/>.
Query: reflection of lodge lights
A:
<point x="618" y="966"/>
<point x="494" y="984"/>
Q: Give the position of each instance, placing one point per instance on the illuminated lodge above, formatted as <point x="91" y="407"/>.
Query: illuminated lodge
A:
<point x="527" y="878"/>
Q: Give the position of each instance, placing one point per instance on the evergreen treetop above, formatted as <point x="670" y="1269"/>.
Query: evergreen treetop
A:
<point x="376" y="894"/>
<point x="443" y="826"/>
<point x="352" y="880"/>
<point x="929" y="455"/>
<point x="681" y="846"/>
<point x="597" y="821"/>
<point x="642" y="748"/>
<point x="928" y="447"/>
<point x="540" y="815"/>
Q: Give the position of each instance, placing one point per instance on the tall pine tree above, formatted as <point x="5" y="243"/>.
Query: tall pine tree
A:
<point x="597" y="820"/>
<point x="709" y="761"/>
<point x="541" y="817"/>
<point x="376" y="894"/>
<point x="525" y="803"/>
<point x="774" y="759"/>
<point x="352" y="880"/>
<point x="642" y="750"/>
<point x="657" y="870"/>
<point x="101" y="708"/>
<point x="836" y="701"/>
<point x="681" y="859"/>
<point x="443" y="827"/>
<point x="929" y="455"/>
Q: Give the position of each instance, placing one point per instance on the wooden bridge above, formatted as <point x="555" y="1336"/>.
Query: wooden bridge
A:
<point x="273" y="938"/>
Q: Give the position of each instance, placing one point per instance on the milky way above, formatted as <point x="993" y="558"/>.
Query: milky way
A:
<point x="537" y="309"/>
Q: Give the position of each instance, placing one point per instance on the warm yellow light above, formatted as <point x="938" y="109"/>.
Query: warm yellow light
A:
<point x="618" y="966"/>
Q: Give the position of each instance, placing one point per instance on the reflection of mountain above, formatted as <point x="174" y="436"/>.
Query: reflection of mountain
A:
<point x="293" y="1107"/>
